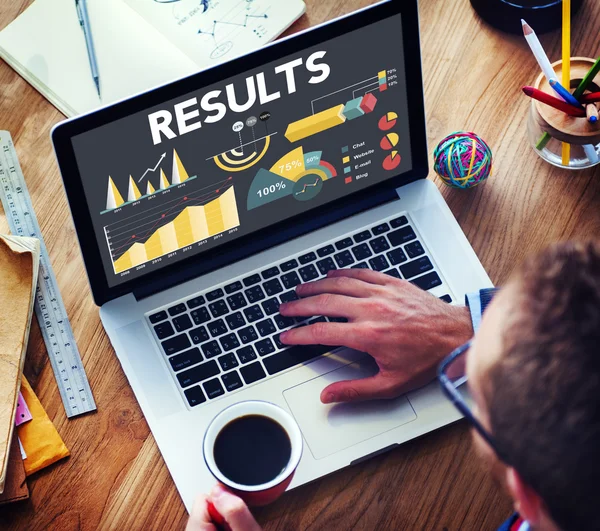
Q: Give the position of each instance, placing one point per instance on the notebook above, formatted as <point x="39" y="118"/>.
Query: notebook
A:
<point x="19" y="263"/>
<point x="15" y="488"/>
<point x="140" y="44"/>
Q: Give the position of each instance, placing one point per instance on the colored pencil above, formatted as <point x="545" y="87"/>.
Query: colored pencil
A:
<point x="591" y="153"/>
<point x="538" y="51"/>
<point x="564" y="93"/>
<point x="566" y="68"/>
<point x="545" y="65"/>
<point x="591" y="112"/>
<point x="546" y="98"/>
<point x="592" y="97"/>
<point x="589" y="77"/>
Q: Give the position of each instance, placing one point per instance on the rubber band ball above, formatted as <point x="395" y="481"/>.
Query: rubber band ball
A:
<point x="463" y="160"/>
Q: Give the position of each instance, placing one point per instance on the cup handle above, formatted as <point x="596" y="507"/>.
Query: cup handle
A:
<point x="217" y="518"/>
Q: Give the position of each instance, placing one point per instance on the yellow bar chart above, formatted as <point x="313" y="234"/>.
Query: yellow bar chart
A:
<point x="192" y="225"/>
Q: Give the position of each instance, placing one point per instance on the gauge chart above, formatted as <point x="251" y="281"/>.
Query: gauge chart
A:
<point x="297" y="174"/>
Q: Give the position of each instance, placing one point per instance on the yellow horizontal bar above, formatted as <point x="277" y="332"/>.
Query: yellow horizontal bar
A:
<point x="315" y="124"/>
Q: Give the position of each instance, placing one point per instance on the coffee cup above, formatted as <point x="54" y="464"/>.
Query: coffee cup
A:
<point x="253" y="448"/>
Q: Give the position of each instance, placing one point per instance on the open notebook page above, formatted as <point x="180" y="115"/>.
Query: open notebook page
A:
<point x="46" y="46"/>
<point x="213" y="31"/>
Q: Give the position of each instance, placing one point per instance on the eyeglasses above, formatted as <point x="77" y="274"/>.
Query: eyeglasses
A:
<point x="453" y="379"/>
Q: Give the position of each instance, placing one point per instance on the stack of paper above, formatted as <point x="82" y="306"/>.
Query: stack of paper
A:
<point x="19" y="264"/>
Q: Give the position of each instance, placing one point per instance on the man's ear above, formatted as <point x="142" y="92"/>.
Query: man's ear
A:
<point x="527" y="502"/>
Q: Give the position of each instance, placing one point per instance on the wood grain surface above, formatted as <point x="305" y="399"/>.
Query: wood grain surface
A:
<point x="116" y="479"/>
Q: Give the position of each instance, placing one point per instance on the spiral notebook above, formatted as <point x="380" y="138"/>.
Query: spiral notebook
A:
<point x="140" y="44"/>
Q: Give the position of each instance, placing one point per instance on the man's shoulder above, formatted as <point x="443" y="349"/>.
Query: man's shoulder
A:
<point x="514" y="523"/>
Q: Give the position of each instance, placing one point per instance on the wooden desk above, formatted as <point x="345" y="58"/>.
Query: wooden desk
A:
<point x="116" y="478"/>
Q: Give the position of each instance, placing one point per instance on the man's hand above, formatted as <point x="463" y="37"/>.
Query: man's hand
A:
<point x="232" y="509"/>
<point x="408" y="331"/>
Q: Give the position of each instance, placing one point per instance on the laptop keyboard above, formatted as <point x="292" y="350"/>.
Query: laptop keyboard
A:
<point x="227" y="338"/>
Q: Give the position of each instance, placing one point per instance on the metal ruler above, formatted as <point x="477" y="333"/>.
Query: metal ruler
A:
<point x="66" y="363"/>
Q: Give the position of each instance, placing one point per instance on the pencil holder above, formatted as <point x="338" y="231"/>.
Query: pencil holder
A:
<point x="548" y="128"/>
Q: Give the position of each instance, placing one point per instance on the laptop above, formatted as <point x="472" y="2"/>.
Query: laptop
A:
<point x="202" y="204"/>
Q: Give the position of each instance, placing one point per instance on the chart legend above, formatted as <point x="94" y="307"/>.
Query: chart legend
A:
<point x="383" y="82"/>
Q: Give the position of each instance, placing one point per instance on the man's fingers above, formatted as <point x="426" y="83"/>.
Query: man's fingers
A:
<point x="329" y="334"/>
<point x="341" y="285"/>
<point x="233" y="509"/>
<point x="366" y="275"/>
<point x="375" y="387"/>
<point x="199" y="518"/>
<point x="325" y="304"/>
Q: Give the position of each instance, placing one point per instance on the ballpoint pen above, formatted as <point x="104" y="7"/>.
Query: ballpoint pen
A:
<point x="84" y="20"/>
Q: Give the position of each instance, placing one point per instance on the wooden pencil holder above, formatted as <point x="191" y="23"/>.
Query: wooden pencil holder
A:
<point x="548" y="128"/>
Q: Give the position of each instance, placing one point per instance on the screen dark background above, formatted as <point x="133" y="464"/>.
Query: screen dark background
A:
<point x="125" y="147"/>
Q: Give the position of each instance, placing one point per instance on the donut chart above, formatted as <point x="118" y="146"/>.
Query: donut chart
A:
<point x="392" y="161"/>
<point x="388" y="121"/>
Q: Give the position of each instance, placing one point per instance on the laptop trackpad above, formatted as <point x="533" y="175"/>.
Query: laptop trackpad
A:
<point x="329" y="428"/>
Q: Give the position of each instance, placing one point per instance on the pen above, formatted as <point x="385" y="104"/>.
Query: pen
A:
<point x="84" y="20"/>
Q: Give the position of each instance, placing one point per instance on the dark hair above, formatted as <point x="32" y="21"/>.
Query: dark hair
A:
<point x="544" y="395"/>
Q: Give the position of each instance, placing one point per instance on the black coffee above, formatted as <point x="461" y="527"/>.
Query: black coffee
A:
<point x="252" y="450"/>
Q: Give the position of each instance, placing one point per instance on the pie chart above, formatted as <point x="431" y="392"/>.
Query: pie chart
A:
<point x="388" y="121"/>
<point x="392" y="161"/>
<point x="389" y="141"/>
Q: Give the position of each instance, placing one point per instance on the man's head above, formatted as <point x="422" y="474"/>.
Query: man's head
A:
<point x="534" y="372"/>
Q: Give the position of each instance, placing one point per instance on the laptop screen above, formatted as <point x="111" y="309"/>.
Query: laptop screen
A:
<point x="238" y="157"/>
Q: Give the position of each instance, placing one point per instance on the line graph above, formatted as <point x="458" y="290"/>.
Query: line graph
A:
<point x="152" y="170"/>
<point x="309" y="185"/>
<point x="172" y="225"/>
<point x="216" y="23"/>
<point x="211" y="29"/>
